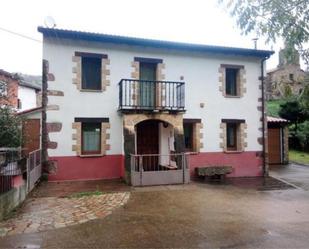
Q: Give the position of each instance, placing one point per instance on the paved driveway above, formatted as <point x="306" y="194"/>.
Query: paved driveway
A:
<point x="198" y="215"/>
<point x="295" y="174"/>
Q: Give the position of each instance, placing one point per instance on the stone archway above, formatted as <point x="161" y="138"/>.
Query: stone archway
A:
<point x="131" y="120"/>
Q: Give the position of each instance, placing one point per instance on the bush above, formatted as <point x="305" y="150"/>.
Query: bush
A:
<point x="303" y="135"/>
<point x="10" y="128"/>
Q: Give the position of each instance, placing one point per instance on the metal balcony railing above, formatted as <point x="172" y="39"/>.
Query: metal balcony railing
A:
<point x="151" y="95"/>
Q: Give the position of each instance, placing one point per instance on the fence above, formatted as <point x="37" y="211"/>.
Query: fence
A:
<point x="151" y="95"/>
<point x="157" y="169"/>
<point x="34" y="168"/>
<point x="12" y="164"/>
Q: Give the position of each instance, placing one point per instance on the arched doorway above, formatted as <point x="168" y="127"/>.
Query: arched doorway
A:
<point x="154" y="149"/>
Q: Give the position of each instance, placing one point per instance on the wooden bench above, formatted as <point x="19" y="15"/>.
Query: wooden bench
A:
<point x="214" y="172"/>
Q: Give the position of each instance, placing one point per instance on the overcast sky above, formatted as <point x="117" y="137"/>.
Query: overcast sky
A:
<point x="194" y="21"/>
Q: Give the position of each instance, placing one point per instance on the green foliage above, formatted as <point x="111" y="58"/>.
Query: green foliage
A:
<point x="292" y="110"/>
<point x="273" y="107"/>
<point x="10" y="128"/>
<point x="303" y="135"/>
<point x="287" y="91"/>
<point x="299" y="156"/>
<point x="288" y="19"/>
<point x="304" y="99"/>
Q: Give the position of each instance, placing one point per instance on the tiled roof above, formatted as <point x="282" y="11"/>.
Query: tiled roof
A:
<point x="276" y="120"/>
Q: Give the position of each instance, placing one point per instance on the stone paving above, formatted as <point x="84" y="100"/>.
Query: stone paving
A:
<point x="42" y="214"/>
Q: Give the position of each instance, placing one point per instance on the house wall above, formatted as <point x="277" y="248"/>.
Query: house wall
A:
<point x="27" y="97"/>
<point x="12" y="91"/>
<point x="200" y="72"/>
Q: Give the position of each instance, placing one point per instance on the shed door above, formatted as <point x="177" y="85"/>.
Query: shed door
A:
<point x="31" y="135"/>
<point x="274" y="147"/>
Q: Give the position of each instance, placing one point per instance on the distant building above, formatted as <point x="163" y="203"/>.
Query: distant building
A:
<point x="288" y="78"/>
<point x="28" y="95"/>
<point x="8" y="89"/>
<point x="18" y="93"/>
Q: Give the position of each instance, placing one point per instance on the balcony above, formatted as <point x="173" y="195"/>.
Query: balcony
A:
<point x="153" y="96"/>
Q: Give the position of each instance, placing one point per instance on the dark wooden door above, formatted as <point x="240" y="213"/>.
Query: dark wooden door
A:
<point x="31" y="135"/>
<point x="274" y="147"/>
<point x="148" y="143"/>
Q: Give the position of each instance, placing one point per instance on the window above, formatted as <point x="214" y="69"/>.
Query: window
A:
<point x="147" y="88"/>
<point x="19" y="105"/>
<point x="231" y="136"/>
<point x="91" y="73"/>
<point x="188" y="134"/>
<point x="231" y="78"/>
<point x="291" y="76"/>
<point x="192" y="129"/>
<point x="91" y="138"/>
<point x="3" y="89"/>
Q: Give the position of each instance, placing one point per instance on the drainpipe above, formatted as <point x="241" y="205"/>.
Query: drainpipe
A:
<point x="265" y="167"/>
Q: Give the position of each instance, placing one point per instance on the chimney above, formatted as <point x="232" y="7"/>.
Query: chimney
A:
<point x="255" y="42"/>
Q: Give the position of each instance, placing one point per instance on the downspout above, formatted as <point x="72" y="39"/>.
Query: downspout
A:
<point x="265" y="167"/>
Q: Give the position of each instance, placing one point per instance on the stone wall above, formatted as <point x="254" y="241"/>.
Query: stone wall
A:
<point x="12" y="199"/>
<point x="286" y="145"/>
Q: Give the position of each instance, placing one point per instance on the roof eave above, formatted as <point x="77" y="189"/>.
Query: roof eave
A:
<point x="78" y="35"/>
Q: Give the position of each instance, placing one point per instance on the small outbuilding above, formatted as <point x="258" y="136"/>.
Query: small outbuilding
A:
<point x="278" y="140"/>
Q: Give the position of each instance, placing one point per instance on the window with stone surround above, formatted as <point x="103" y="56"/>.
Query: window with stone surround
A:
<point x="233" y="135"/>
<point x="232" y="80"/>
<point x="232" y="130"/>
<point x="91" y="135"/>
<point x="91" y="138"/>
<point x="192" y="134"/>
<point x="91" y="73"/>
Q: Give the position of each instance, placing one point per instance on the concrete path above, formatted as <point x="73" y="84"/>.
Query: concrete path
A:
<point x="295" y="174"/>
<point x="198" y="215"/>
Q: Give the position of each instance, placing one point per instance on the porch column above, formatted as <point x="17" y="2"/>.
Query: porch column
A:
<point x="129" y="148"/>
<point x="179" y="139"/>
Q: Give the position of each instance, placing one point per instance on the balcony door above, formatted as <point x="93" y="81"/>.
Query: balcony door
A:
<point x="147" y="87"/>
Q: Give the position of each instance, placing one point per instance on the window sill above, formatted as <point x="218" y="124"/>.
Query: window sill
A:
<point x="233" y="151"/>
<point x="92" y="155"/>
<point x="232" y="96"/>
<point x="89" y="90"/>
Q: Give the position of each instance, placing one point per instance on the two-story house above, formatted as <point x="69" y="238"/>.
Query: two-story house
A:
<point x="150" y="111"/>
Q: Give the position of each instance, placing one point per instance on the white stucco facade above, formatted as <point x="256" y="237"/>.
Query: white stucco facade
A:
<point x="199" y="71"/>
<point x="27" y="97"/>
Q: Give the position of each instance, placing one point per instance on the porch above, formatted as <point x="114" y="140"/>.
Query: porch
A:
<point x="154" y="150"/>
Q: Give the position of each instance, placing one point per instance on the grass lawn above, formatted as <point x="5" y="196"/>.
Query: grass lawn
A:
<point x="273" y="107"/>
<point x="299" y="156"/>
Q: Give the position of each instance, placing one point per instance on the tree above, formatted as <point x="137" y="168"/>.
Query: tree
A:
<point x="293" y="111"/>
<point x="10" y="128"/>
<point x="288" y="19"/>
